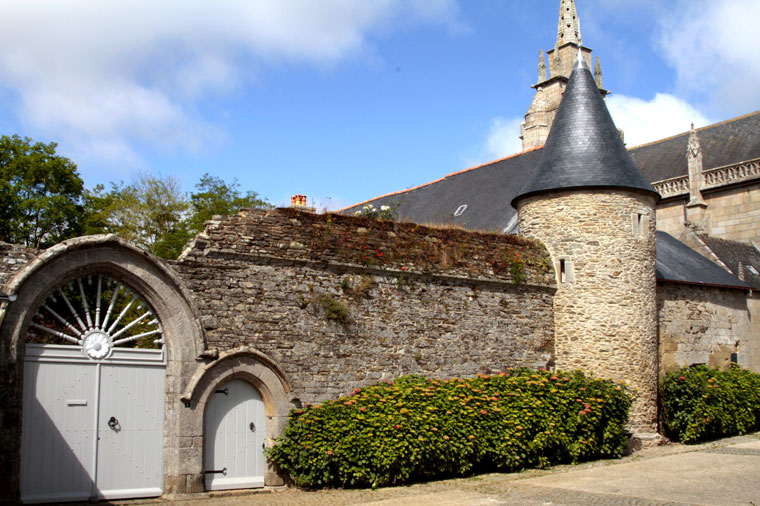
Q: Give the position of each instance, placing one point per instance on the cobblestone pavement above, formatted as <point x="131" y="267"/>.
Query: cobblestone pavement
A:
<point x="724" y="472"/>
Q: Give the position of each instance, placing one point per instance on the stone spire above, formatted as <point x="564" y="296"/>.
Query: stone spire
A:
<point x="541" y="66"/>
<point x="569" y="29"/>
<point x="694" y="161"/>
<point x="552" y="81"/>
<point x="598" y="74"/>
<point x="695" y="209"/>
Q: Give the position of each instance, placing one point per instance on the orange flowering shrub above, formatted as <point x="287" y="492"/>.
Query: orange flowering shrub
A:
<point x="418" y="428"/>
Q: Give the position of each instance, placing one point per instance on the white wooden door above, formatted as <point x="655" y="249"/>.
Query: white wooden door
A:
<point x="130" y="430"/>
<point x="69" y="451"/>
<point x="57" y="442"/>
<point x="235" y="435"/>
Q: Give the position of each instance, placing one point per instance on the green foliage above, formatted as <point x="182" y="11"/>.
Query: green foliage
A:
<point x="155" y="214"/>
<point x="40" y="194"/>
<point x="417" y="428"/>
<point x="214" y="196"/>
<point x="701" y="402"/>
<point x="334" y="309"/>
<point x="43" y="201"/>
<point x="149" y="212"/>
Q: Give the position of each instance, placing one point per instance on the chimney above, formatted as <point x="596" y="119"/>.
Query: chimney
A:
<point x="299" y="202"/>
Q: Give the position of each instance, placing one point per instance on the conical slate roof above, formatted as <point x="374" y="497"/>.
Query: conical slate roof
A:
<point x="584" y="148"/>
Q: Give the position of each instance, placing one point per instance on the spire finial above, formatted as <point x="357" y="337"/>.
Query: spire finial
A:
<point x="598" y="73"/>
<point x="541" y="66"/>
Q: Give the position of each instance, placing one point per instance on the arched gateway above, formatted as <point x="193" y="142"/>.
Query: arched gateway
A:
<point x="100" y="333"/>
<point x="93" y="404"/>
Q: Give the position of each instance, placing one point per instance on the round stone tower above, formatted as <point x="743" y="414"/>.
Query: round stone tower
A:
<point x="592" y="208"/>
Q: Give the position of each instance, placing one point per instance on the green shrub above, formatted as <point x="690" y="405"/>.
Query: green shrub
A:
<point x="334" y="309"/>
<point x="701" y="402"/>
<point x="417" y="428"/>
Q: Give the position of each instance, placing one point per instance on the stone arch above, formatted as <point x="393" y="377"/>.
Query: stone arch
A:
<point x="151" y="277"/>
<point x="258" y="370"/>
<point x="161" y="287"/>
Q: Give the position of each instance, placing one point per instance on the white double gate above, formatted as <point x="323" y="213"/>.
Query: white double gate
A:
<point x="91" y="429"/>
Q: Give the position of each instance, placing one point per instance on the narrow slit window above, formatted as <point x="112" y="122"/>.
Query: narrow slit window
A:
<point x="566" y="272"/>
<point x="640" y="224"/>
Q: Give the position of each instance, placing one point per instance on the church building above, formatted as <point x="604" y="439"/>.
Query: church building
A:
<point x="123" y="375"/>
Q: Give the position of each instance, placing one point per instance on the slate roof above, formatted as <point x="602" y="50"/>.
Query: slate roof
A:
<point x="485" y="190"/>
<point x="678" y="263"/>
<point x="732" y="253"/>
<point x="727" y="143"/>
<point x="488" y="190"/>
<point x="584" y="148"/>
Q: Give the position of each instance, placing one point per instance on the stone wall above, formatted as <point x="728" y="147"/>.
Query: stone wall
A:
<point x="704" y="325"/>
<point x="605" y="306"/>
<point x="731" y="213"/>
<point x="754" y="340"/>
<point x="671" y="216"/>
<point x="734" y="213"/>
<point x="341" y="302"/>
<point x="12" y="258"/>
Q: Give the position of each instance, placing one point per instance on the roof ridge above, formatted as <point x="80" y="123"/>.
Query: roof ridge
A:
<point x="468" y="169"/>
<point x="706" y="127"/>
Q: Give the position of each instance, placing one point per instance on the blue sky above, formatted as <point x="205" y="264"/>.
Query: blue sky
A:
<point x="344" y="100"/>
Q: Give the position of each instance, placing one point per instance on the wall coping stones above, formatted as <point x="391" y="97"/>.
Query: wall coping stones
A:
<point x="356" y="244"/>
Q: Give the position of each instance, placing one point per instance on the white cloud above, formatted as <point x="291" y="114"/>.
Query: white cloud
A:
<point x="503" y="140"/>
<point x="645" y="121"/>
<point x="642" y="121"/>
<point x="106" y="75"/>
<point x="710" y="45"/>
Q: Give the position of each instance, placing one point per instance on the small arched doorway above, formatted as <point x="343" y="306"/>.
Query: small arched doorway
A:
<point x="235" y="437"/>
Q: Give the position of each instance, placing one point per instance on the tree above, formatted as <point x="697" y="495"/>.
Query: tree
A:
<point x="214" y="196"/>
<point x="153" y="212"/>
<point x="150" y="212"/>
<point x="40" y="194"/>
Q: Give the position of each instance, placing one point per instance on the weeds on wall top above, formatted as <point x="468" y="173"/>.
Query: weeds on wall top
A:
<point x="517" y="269"/>
<point x="370" y="211"/>
<point x="416" y="249"/>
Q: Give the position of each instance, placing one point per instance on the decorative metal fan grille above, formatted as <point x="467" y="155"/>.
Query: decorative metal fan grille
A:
<point x="97" y="313"/>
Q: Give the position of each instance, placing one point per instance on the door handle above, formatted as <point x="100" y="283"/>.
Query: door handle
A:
<point x="252" y="426"/>
<point x="114" y="424"/>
